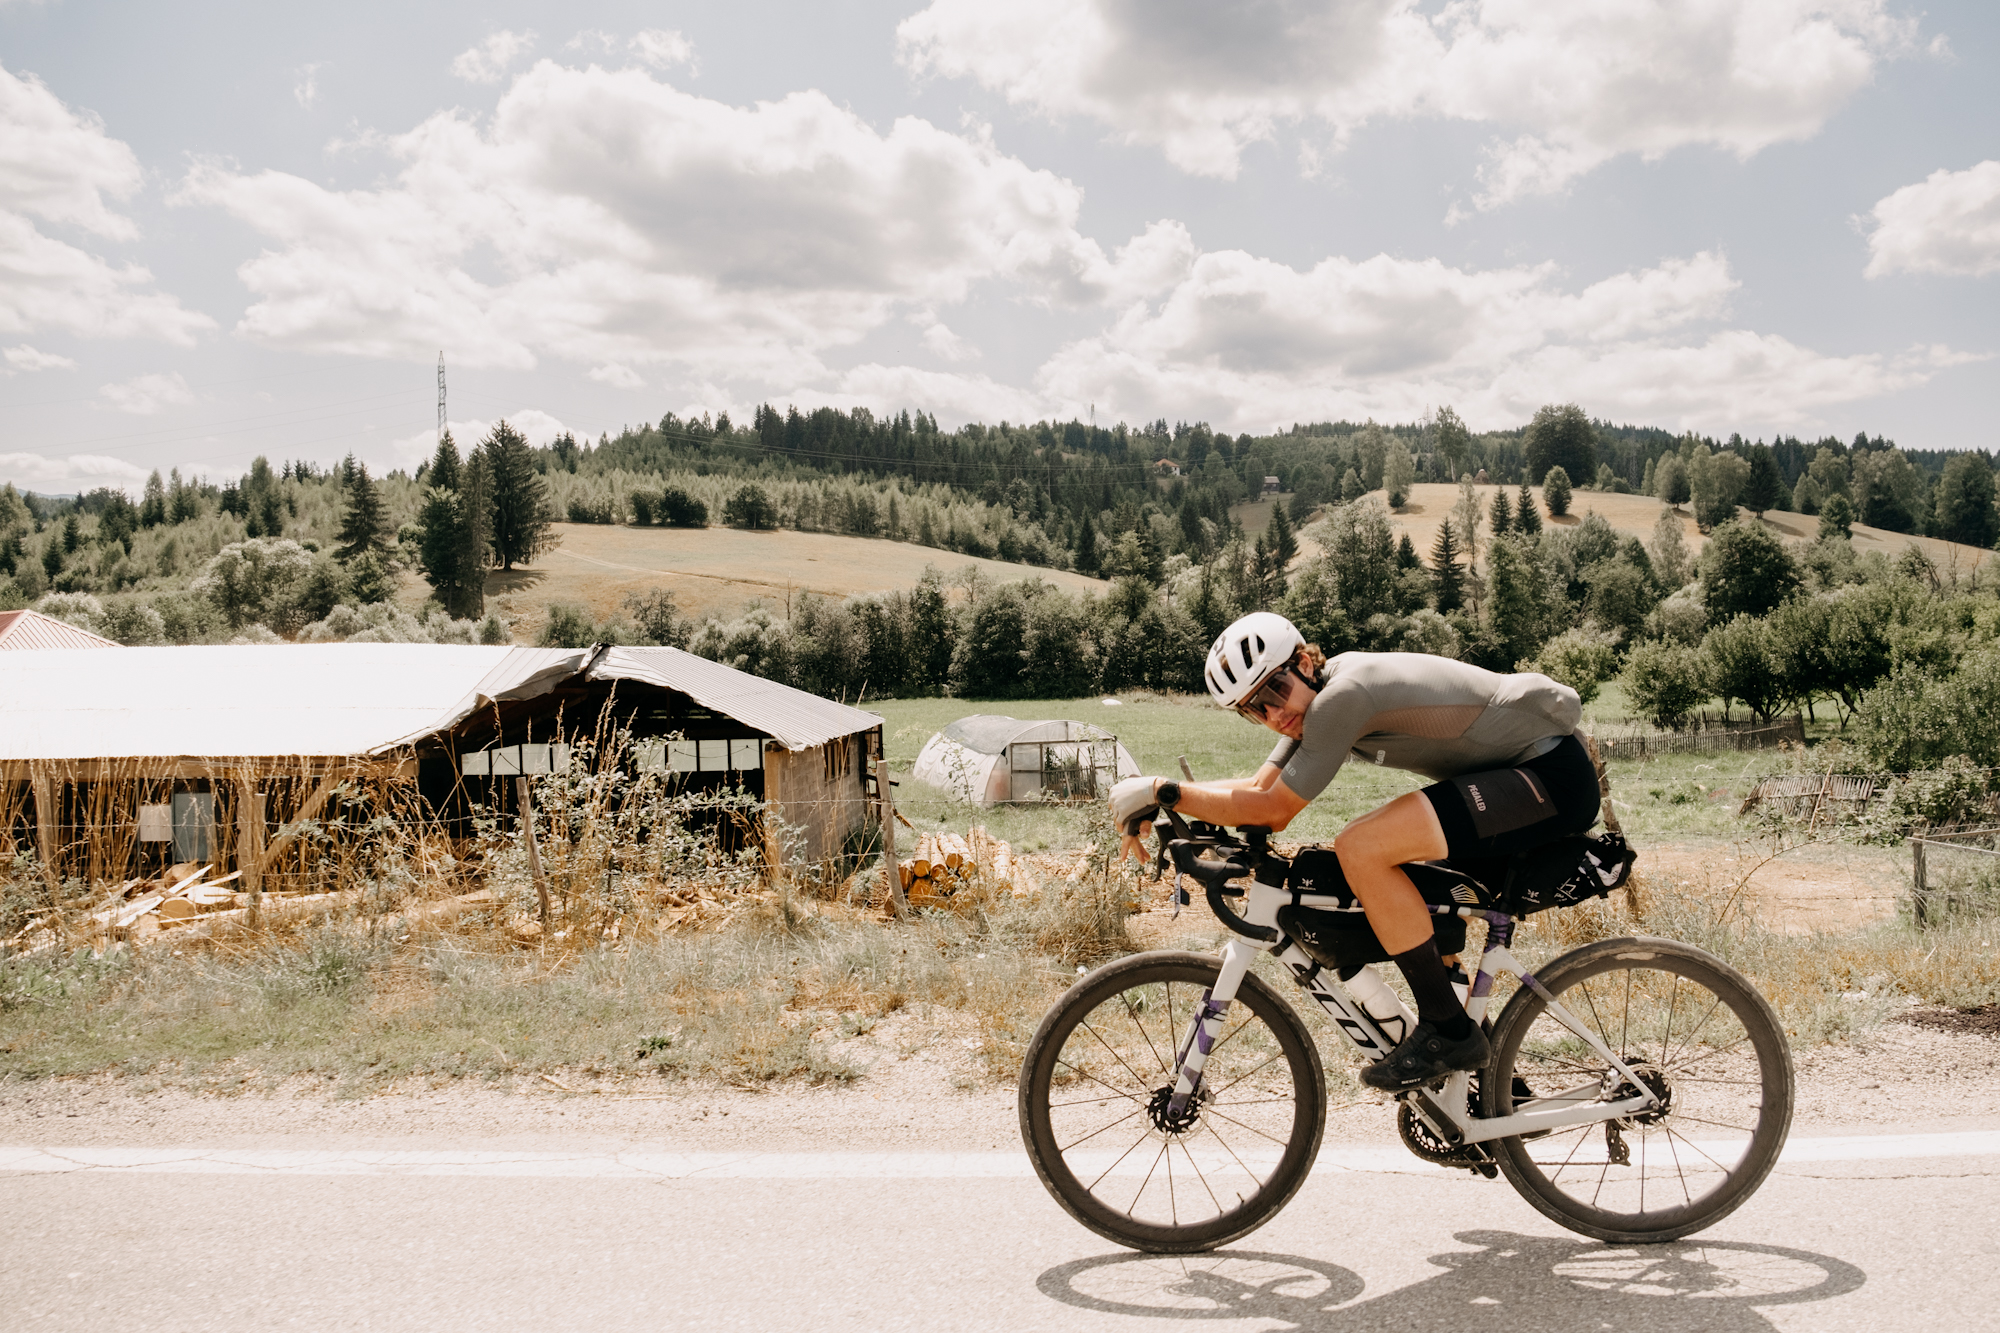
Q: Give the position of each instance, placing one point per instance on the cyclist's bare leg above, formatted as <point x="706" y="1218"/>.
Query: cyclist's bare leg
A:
<point x="1372" y="852"/>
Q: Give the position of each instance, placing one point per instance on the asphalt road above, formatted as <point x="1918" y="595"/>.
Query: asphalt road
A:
<point x="408" y="1239"/>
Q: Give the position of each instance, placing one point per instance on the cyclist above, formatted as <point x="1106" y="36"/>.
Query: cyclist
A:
<point x="1508" y="774"/>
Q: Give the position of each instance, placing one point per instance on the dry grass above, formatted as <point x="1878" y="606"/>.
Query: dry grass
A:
<point x="720" y="571"/>
<point x="1634" y="516"/>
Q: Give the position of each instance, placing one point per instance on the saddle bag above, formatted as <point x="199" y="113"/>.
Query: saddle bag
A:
<point x="1566" y="872"/>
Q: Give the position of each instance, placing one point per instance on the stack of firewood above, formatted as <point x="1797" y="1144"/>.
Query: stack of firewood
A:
<point x="948" y="869"/>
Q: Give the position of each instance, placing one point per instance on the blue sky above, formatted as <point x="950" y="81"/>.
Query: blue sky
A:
<point x="233" y="229"/>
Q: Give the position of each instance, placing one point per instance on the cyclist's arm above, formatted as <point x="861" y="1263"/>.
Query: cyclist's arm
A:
<point x="1263" y="799"/>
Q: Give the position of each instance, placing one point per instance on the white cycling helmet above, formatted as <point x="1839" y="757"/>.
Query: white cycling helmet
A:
<point x="1247" y="654"/>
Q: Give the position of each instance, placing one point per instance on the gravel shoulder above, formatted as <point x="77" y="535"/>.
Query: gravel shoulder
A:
<point x="1900" y="1079"/>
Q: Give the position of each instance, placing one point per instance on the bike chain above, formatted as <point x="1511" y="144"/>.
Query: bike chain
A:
<point x="1422" y="1140"/>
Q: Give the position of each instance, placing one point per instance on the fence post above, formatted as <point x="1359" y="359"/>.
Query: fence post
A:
<point x="891" y="869"/>
<point x="522" y="789"/>
<point x="47" y="830"/>
<point x="1920" y="884"/>
<point x="250" y="845"/>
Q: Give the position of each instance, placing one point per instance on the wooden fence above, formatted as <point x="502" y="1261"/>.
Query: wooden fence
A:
<point x="1708" y="740"/>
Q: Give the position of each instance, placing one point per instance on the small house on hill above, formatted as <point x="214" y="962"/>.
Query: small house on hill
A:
<point x="231" y="753"/>
<point x="1272" y="486"/>
<point x="992" y="760"/>
<point x="31" y="629"/>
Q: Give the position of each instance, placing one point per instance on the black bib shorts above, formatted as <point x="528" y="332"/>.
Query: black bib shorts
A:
<point x="1506" y="810"/>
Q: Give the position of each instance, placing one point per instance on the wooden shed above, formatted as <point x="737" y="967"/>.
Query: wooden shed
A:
<point x="109" y="760"/>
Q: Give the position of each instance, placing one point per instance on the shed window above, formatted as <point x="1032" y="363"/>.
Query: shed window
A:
<point x="746" y="755"/>
<point x="839" y="757"/>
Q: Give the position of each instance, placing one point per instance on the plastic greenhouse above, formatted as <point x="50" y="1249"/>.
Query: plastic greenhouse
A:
<point x="992" y="760"/>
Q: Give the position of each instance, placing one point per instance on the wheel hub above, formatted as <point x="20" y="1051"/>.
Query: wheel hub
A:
<point x="1655" y="1081"/>
<point x="1165" y="1119"/>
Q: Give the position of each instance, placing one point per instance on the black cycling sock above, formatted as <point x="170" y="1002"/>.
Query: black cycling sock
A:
<point x="1430" y="984"/>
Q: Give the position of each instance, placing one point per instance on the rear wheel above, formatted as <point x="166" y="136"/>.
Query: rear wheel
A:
<point x="1691" y="1029"/>
<point x="1095" y="1118"/>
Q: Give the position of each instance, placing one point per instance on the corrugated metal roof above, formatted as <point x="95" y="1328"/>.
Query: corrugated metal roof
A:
<point x="793" y="718"/>
<point x="32" y="629"/>
<point x="344" y="699"/>
<point x="256" y="700"/>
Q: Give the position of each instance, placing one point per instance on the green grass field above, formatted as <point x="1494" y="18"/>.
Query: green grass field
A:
<point x="1679" y="797"/>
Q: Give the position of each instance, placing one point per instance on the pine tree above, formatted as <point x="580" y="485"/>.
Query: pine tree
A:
<point x="361" y="526"/>
<point x="1278" y="536"/>
<point x="1556" y="492"/>
<point x="522" y="523"/>
<point x="1445" y="574"/>
<point x="1086" y="546"/>
<point x="445" y="464"/>
<point x="1761" y="491"/>
<point x="1502" y="517"/>
<point x="1527" y="516"/>
<point x="1406" y="554"/>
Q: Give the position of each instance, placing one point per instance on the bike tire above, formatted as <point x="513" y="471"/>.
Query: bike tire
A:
<point x="1103" y="1053"/>
<point x="1680" y="1018"/>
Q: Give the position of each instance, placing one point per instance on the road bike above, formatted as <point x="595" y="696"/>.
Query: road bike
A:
<point x="1639" y="1089"/>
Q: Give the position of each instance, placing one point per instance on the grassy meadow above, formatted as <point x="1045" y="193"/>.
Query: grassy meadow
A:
<point x="767" y="986"/>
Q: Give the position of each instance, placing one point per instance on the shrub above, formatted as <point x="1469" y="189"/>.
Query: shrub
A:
<point x="750" y="508"/>
<point x="1666" y="681"/>
<point x="645" y="505"/>
<point x="1556" y="492"/>
<point x="1582" y="659"/>
<point x="679" y="509"/>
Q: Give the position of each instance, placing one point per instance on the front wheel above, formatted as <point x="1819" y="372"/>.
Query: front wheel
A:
<point x="1697" y="1034"/>
<point x="1095" y="1117"/>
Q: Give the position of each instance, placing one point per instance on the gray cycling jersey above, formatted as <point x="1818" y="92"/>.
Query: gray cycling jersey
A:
<point x="1425" y="714"/>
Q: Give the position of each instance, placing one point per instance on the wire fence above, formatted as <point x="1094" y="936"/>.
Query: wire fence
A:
<point x="1710" y="739"/>
<point x="1953" y="873"/>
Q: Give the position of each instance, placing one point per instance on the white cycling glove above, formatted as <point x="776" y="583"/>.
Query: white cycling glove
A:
<point x="1132" y="804"/>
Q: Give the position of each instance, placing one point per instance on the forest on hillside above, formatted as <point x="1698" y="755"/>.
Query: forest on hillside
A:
<point x="305" y="552"/>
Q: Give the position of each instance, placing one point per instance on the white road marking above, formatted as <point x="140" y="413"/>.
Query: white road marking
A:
<point x="791" y="1165"/>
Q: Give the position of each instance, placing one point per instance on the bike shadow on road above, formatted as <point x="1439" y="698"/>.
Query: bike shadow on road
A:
<point x="1561" y="1284"/>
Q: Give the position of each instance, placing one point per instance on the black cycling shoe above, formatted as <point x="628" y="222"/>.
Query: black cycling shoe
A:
<point x="1424" y="1057"/>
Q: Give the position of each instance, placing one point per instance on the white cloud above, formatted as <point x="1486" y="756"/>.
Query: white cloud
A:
<point x="306" y="91"/>
<point x="618" y="377"/>
<point x="1947" y="223"/>
<point x="1570" y="83"/>
<point x="946" y="345"/>
<point x="607" y="218"/>
<point x="488" y="61"/>
<point x="78" y="471"/>
<point x="59" y="166"/>
<point x="31" y="359"/>
<point x="535" y="425"/>
<point x="148" y="395"/>
<point x="663" y="48"/>
<point x="1247" y="342"/>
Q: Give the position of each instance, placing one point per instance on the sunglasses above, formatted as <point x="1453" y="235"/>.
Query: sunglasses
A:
<point x="1274" y="693"/>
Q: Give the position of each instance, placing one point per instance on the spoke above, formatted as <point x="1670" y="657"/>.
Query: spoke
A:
<point x="1133" y="1211"/>
<point x="1713" y="1052"/>
<point x="1667" y="1033"/>
<point x="1275" y="1055"/>
<point x="1699" y="1026"/>
<point x="1101" y="1129"/>
<point x="1173" y="1204"/>
<point x="1085" y="1073"/>
<point x="1241" y="1165"/>
<point x="1196" y="1168"/>
<point x="1114" y="1054"/>
<point x="1268" y="1101"/>
<point x="1139" y="1023"/>
<point x="1582" y="1131"/>
<point x="1093" y="1101"/>
<point x="1597" y="1019"/>
<point x="1092" y="1186"/>
<point x="1681" y="1117"/>
<point x="1252" y="1129"/>
<point x="1696" y="1147"/>
<point x="1679" y="1173"/>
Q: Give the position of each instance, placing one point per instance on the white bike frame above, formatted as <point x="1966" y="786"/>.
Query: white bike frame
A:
<point x="1447" y="1109"/>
